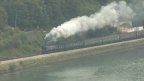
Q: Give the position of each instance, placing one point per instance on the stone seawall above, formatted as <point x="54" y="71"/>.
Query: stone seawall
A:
<point x="21" y="63"/>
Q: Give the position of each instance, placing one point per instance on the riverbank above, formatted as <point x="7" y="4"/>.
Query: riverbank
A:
<point x="21" y="63"/>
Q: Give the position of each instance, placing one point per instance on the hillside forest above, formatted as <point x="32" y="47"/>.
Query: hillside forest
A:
<point x="24" y="23"/>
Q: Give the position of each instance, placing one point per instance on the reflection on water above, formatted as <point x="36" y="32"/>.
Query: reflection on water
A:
<point x="122" y="65"/>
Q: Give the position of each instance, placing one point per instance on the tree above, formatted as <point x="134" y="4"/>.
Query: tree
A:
<point x="3" y="17"/>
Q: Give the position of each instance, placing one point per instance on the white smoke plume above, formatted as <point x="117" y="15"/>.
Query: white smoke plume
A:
<point x="111" y="14"/>
<point x="138" y="7"/>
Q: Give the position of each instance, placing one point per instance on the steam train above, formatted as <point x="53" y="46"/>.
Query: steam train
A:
<point x="49" y="48"/>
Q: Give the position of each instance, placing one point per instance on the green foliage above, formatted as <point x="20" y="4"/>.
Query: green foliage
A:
<point x="29" y="14"/>
<point x="45" y="14"/>
<point x="3" y="17"/>
<point x="15" y="43"/>
<point x="22" y="23"/>
<point x="12" y="68"/>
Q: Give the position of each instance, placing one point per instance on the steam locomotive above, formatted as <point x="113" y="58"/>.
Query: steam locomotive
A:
<point x="49" y="48"/>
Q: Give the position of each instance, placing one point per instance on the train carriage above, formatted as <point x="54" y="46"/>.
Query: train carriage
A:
<point x="48" y="48"/>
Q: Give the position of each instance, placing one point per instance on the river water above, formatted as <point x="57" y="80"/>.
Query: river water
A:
<point x="118" y="65"/>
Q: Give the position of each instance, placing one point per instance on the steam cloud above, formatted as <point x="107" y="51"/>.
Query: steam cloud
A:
<point x="138" y="7"/>
<point x="112" y="14"/>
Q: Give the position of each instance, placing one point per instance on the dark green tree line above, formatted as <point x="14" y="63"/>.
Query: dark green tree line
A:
<point x="30" y="14"/>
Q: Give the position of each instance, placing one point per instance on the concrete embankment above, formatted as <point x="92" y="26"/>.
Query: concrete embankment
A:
<point x="16" y="64"/>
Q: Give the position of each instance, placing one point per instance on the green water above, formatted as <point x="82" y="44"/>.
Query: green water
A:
<point x="119" y="65"/>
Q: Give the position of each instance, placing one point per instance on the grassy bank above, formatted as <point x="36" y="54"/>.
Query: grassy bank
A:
<point x="12" y="65"/>
<point x="15" y="43"/>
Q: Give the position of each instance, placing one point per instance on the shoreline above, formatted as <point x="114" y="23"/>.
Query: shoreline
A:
<point x="27" y="62"/>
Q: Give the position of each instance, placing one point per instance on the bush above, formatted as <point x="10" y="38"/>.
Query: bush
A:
<point x="12" y="68"/>
<point x="16" y="43"/>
